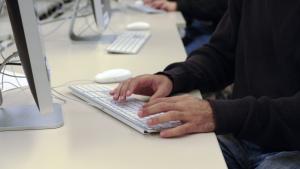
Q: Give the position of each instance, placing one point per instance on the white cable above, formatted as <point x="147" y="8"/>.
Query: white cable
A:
<point x="55" y="29"/>
<point x="67" y="97"/>
<point x="70" y="82"/>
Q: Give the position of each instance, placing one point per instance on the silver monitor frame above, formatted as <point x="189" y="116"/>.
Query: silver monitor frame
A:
<point x="102" y="14"/>
<point x="44" y="114"/>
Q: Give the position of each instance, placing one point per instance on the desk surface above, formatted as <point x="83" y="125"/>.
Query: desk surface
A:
<point x="90" y="138"/>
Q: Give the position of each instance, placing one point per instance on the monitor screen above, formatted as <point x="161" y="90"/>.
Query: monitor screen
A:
<point x="26" y="33"/>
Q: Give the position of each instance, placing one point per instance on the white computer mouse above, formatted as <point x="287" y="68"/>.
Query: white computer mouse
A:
<point x="113" y="76"/>
<point x="138" y="26"/>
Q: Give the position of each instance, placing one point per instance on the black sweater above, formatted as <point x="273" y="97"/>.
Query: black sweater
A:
<point x="205" y="10"/>
<point x="256" y="46"/>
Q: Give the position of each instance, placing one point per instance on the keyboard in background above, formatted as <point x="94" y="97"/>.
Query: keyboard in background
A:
<point x="126" y="112"/>
<point x="129" y="42"/>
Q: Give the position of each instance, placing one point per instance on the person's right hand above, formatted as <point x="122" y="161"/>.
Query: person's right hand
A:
<point x="155" y="86"/>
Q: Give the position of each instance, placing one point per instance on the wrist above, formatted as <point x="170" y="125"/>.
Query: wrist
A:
<point x="211" y="118"/>
<point x="173" y="6"/>
<point x="167" y="80"/>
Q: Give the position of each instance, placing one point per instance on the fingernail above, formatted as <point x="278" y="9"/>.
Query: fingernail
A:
<point x="140" y="114"/>
<point x="115" y="97"/>
<point x="150" y="122"/>
<point x="128" y="93"/>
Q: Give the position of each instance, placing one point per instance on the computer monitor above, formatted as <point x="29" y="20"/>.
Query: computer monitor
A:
<point x="102" y="13"/>
<point x="44" y="114"/>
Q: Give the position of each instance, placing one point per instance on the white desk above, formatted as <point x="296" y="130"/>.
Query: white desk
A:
<point x="91" y="139"/>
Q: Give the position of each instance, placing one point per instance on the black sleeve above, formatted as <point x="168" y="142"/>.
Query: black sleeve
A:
<point x="211" y="67"/>
<point x="208" y="10"/>
<point x="271" y="123"/>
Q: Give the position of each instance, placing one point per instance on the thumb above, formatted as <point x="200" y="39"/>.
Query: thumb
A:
<point x="158" y="94"/>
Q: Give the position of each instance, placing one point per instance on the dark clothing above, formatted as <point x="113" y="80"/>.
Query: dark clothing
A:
<point x="206" y="13"/>
<point x="204" y="10"/>
<point x="241" y="154"/>
<point x="256" y="46"/>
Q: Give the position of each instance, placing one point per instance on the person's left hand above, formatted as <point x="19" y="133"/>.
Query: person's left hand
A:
<point x="164" y="5"/>
<point x="196" y="115"/>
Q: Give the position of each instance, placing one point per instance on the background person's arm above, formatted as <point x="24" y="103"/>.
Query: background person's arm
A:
<point x="211" y="67"/>
<point x="207" y="10"/>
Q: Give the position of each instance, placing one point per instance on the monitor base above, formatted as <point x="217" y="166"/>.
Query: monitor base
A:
<point x="98" y="37"/>
<point x="29" y="118"/>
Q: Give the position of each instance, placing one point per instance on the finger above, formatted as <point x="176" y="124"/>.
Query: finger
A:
<point x="112" y="92"/>
<point x="160" y="92"/>
<point x="149" y="2"/>
<point x="158" y="100"/>
<point x="133" y="86"/>
<point x="177" y="131"/>
<point x="166" y="117"/>
<point x="157" y="4"/>
<point x="124" y="91"/>
<point x="173" y="99"/>
<point x="157" y="108"/>
<point x="165" y="7"/>
<point x="116" y="92"/>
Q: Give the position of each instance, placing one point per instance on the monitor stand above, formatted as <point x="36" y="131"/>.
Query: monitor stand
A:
<point x="106" y="39"/>
<point x="1" y="6"/>
<point x="29" y="118"/>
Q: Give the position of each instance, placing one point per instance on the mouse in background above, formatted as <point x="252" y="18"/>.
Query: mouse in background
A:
<point x="138" y="26"/>
<point x="113" y="76"/>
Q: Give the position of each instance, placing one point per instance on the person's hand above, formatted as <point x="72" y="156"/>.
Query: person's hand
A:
<point x="148" y="2"/>
<point x="150" y="85"/>
<point x="164" y="5"/>
<point x="196" y="115"/>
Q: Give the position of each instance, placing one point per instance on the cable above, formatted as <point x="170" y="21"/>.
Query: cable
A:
<point x="14" y="73"/>
<point x="62" y="18"/>
<point x="80" y="101"/>
<point x="2" y="78"/>
<point x="55" y="29"/>
<point x="57" y="92"/>
<point x="5" y="74"/>
<point x="16" y="87"/>
<point x="58" y="17"/>
<point x="12" y="63"/>
<point x="64" y="21"/>
<point x="69" y="82"/>
<point x="59" y="98"/>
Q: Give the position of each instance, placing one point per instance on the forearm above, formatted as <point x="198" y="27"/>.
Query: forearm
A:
<point x="206" y="72"/>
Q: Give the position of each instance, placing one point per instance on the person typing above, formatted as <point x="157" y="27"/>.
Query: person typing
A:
<point x="256" y="47"/>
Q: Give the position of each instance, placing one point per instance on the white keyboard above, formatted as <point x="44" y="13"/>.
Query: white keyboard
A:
<point x="145" y="9"/>
<point x="126" y="112"/>
<point x="129" y="42"/>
